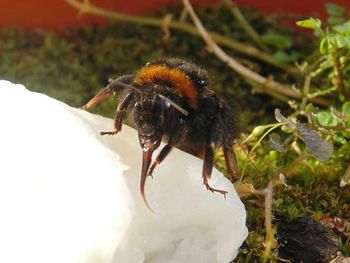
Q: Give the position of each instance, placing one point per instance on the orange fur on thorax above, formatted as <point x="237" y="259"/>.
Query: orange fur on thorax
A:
<point x="175" y="77"/>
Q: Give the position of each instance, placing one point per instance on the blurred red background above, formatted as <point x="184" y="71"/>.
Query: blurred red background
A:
<point x="56" y="14"/>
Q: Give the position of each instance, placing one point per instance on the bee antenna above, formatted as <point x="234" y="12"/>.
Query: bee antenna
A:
<point x="121" y="83"/>
<point x="117" y="83"/>
<point x="175" y="105"/>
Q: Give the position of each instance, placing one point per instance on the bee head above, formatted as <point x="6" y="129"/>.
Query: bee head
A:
<point x="150" y="115"/>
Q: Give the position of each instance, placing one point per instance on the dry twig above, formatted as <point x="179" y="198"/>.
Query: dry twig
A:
<point x="86" y="7"/>
<point x="165" y="28"/>
<point x="268" y="84"/>
<point x="250" y="31"/>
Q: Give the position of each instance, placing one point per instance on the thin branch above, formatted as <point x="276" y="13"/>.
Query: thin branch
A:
<point x="269" y="84"/>
<point x="245" y="190"/>
<point x="165" y="28"/>
<point x="338" y="69"/>
<point x="85" y="7"/>
<point x="250" y="31"/>
<point x="270" y="241"/>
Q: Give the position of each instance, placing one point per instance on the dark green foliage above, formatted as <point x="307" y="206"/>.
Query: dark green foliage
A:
<point x="72" y="66"/>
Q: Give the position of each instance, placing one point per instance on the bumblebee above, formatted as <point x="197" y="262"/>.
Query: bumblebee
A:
<point x="169" y="101"/>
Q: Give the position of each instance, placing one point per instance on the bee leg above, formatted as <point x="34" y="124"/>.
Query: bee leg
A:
<point x="231" y="163"/>
<point x="119" y="114"/>
<point x="116" y="85"/>
<point x="98" y="99"/>
<point x="161" y="156"/>
<point x="208" y="168"/>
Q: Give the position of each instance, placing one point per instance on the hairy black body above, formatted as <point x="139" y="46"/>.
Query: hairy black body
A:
<point x="170" y="102"/>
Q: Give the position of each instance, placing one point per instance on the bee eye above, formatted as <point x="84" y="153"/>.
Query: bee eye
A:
<point x="166" y="104"/>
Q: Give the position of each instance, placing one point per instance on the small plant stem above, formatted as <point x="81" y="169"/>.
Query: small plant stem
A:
<point x="273" y="126"/>
<point x="270" y="241"/>
<point x="269" y="84"/>
<point x="340" y="77"/>
<point x="306" y="91"/>
<point x="252" y="136"/>
<point x="268" y="209"/>
<point x="237" y="14"/>
<point x="85" y="7"/>
<point x="321" y="92"/>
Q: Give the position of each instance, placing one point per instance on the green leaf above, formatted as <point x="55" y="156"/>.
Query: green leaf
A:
<point x="340" y="41"/>
<point x="276" y="143"/>
<point x="310" y="23"/>
<point x="277" y="40"/>
<point x="334" y="10"/>
<point x="324" y="47"/>
<point x="284" y="57"/>
<point x="335" y="20"/>
<point x="346" y="109"/>
<point x="325" y="118"/>
<point x="343" y="28"/>
<point x="347" y="124"/>
<point x="337" y="137"/>
<point x="309" y="108"/>
<point x="316" y="145"/>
